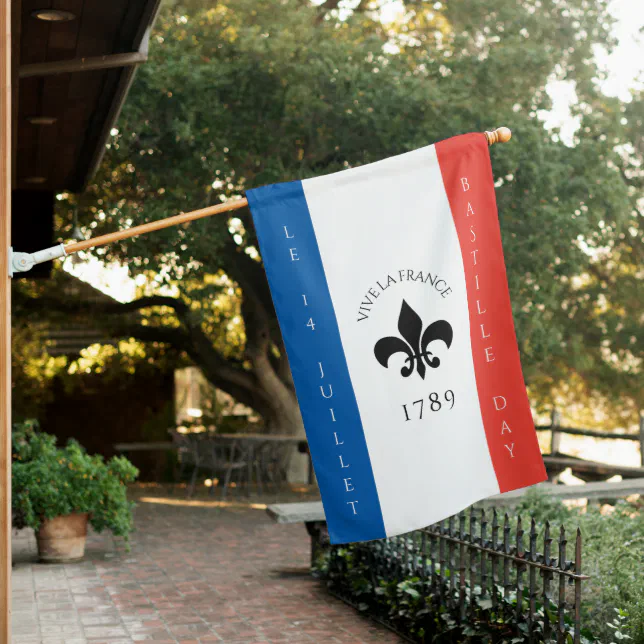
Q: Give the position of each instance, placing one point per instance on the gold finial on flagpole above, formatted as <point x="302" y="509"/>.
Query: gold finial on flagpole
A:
<point x="500" y="135"/>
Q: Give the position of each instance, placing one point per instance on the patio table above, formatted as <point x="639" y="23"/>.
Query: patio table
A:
<point x="251" y="446"/>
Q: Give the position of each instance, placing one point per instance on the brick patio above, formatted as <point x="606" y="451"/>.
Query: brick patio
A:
<point x="194" y="574"/>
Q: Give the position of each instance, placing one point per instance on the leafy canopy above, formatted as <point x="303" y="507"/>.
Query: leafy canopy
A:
<point x="247" y="92"/>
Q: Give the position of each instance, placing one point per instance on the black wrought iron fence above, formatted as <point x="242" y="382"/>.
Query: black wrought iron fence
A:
<point x="485" y="567"/>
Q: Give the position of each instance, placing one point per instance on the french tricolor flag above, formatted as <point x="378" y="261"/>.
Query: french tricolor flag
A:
<point x="391" y="293"/>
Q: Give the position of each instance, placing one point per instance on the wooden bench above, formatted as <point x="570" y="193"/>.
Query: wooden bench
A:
<point x="311" y="514"/>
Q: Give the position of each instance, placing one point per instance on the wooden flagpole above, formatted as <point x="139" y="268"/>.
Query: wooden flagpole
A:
<point x="501" y="135"/>
<point x="5" y="322"/>
<point x="156" y="225"/>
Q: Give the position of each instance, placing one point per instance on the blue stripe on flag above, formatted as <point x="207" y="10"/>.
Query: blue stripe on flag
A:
<point x="318" y="364"/>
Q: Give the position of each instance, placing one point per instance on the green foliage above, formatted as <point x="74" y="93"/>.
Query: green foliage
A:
<point x="49" y="481"/>
<point x="418" y="608"/>
<point x="613" y="557"/>
<point x="32" y="369"/>
<point x="619" y="625"/>
<point x="542" y="508"/>
<point x="247" y="92"/>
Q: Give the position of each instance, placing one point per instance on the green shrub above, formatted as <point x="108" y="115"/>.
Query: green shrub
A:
<point x="427" y="610"/>
<point x="49" y="481"/>
<point x="612" y="555"/>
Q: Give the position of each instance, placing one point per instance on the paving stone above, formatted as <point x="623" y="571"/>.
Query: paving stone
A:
<point x="194" y="575"/>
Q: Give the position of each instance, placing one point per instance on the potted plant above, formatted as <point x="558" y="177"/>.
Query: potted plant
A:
<point x="57" y="491"/>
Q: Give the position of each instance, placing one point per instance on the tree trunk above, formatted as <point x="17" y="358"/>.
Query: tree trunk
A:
<point x="286" y="412"/>
<point x="267" y="388"/>
<point x="286" y="417"/>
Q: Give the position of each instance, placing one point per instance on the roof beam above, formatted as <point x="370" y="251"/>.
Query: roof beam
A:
<point x="143" y="40"/>
<point x="83" y="64"/>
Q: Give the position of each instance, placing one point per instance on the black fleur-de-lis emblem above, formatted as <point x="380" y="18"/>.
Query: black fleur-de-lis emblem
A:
<point x="414" y="346"/>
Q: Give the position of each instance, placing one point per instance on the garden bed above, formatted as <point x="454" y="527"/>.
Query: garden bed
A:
<point x="482" y="578"/>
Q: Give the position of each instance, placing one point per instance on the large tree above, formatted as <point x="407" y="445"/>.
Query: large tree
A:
<point x="241" y="93"/>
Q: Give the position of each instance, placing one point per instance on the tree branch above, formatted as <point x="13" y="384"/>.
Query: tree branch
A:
<point x="74" y="306"/>
<point x="146" y="302"/>
<point x="240" y="384"/>
<point x="250" y="275"/>
<point x="168" y="335"/>
<point x="225" y="373"/>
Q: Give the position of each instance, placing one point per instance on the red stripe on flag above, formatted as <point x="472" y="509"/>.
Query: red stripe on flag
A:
<point x="509" y="428"/>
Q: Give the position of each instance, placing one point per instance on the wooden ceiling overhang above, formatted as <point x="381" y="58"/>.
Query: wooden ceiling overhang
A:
<point x="70" y="78"/>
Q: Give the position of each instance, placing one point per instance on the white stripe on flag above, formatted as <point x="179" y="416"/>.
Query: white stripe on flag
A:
<point x="386" y="235"/>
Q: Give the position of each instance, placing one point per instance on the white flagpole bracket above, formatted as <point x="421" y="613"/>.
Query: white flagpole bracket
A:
<point x="23" y="262"/>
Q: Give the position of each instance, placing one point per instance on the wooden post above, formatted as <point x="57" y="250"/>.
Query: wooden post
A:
<point x="5" y="322"/>
<point x="642" y="438"/>
<point x="555" y="440"/>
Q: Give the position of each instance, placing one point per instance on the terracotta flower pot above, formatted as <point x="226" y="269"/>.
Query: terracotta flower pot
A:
<point x="62" y="539"/>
